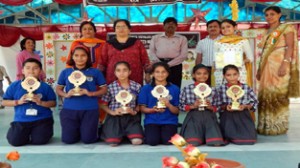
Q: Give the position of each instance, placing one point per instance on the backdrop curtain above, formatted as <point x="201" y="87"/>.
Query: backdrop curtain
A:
<point x="15" y="2"/>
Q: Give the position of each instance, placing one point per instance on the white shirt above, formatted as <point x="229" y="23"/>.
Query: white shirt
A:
<point x="206" y="48"/>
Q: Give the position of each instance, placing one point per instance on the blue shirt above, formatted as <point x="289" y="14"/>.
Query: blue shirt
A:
<point x="15" y="92"/>
<point x="94" y="79"/>
<point x="146" y="99"/>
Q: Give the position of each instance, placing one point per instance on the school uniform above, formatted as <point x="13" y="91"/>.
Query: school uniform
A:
<point x="199" y="126"/>
<point x="237" y="126"/>
<point x="79" y="115"/>
<point x="33" y="124"/>
<point x="116" y="127"/>
<point x="159" y="127"/>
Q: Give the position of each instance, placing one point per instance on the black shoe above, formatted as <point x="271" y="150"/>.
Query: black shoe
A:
<point x="179" y="125"/>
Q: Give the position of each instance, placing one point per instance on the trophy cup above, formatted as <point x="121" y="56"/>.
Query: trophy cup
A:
<point x="202" y="90"/>
<point x="77" y="78"/>
<point x="235" y="92"/>
<point x="124" y="97"/>
<point x="30" y="84"/>
<point x="158" y="92"/>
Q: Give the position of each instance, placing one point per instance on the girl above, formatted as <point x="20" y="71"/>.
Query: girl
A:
<point x="199" y="126"/>
<point x="160" y="124"/>
<point x="79" y="116"/>
<point x="237" y="125"/>
<point x="119" y="123"/>
<point x="231" y="44"/>
<point x="33" y="121"/>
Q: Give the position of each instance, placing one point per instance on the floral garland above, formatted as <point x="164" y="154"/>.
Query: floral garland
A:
<point x="192" y="156"/>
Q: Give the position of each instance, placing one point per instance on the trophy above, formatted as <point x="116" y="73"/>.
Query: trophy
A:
<point x="202" y="90"/>
<point x="30" y="84"/>
<point x="77" y="78"/>
<point x="235" y="92"/>
<point x="228" y="57"/>
<point x="158" y="92"/>
<point x="124" y="97"/>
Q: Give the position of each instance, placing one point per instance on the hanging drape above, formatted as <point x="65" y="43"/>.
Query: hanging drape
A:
<point x="15" y="2"/>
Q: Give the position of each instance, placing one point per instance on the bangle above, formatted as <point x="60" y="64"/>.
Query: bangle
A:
<point x="16" y="102"/>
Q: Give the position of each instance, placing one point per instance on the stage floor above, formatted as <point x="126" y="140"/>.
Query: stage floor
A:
<point x="270" y="151"/>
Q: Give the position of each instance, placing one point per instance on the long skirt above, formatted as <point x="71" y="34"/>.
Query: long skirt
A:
<point x="201" y="127"/>
<point x="238" y="127"/>
<point x="117" y="127"/>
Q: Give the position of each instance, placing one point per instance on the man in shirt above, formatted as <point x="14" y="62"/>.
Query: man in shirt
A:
<point x="170" y="48"/>
<point x="205" y="46"/>
<point x="2" y="75"/>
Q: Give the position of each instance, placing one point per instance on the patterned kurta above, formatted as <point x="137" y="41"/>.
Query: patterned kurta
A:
<point x="136" y="55"/>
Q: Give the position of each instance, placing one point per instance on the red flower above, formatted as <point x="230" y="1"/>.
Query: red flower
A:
<point x="177" y="140"/>
<point x="192" y="150"/>
<point x="169" y="161"/>
<point x="202" y="165"/>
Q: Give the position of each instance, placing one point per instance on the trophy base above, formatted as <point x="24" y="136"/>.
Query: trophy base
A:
<point x="235" y="106"/>
<point x="124" y="110"/>
<point x="160" y="105"/>
<point x="76" y="94"/>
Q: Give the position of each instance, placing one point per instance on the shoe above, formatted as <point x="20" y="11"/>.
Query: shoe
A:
<point x="2" y="107"/>
<point x="179" y="125"/>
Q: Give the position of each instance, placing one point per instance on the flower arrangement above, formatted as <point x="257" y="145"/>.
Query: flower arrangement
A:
<point x="193" y="158"/>
<point x="11" y="156"/>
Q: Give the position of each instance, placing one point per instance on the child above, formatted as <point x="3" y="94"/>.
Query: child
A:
<point x="237" y="125"/>
<point x="117" y="124"/>
<point x="3" y="75"/>
<point x="199" y="126"/>
<point x="33" y="121"/>
<point x="160" y="124"/>
<point x="79" y="116"/>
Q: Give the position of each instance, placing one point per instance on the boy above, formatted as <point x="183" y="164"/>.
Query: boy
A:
<point x="33" y="121"/>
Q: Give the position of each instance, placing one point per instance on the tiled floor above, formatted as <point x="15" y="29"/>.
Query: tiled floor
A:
<point x="270" y="151"/>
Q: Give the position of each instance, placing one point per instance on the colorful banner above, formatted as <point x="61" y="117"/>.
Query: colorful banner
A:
<point x="135" y="2"/>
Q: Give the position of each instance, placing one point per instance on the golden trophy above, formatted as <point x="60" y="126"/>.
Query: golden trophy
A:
<point x="30" y="84"/>
<point x="124" y="97"/>
<point x="158" y="92"/>
<point x="235" y="92"/>
<point x="202" y="90"/>
<point x="77" y="78"/>
<point x="230" y="57"/>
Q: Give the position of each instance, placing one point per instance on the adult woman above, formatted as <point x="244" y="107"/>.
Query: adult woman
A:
<point x="278" y="74"/>
<point x="124" y="48"/>
<point x="87" y="32"/>
<point x="27" y="51"/>
<point x="236" y="47"/>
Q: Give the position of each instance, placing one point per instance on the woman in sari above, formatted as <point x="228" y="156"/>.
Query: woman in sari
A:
<point x="278" y="74"/>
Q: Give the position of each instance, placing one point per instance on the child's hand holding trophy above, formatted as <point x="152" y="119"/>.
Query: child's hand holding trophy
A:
<point x="202" y="90"/>
<point x="161" y="93"/>
<point x="77" y="78"/>
<point x="124" y="98"/>
<point x="235" y="92"/>
<point x="30" y="84"/>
